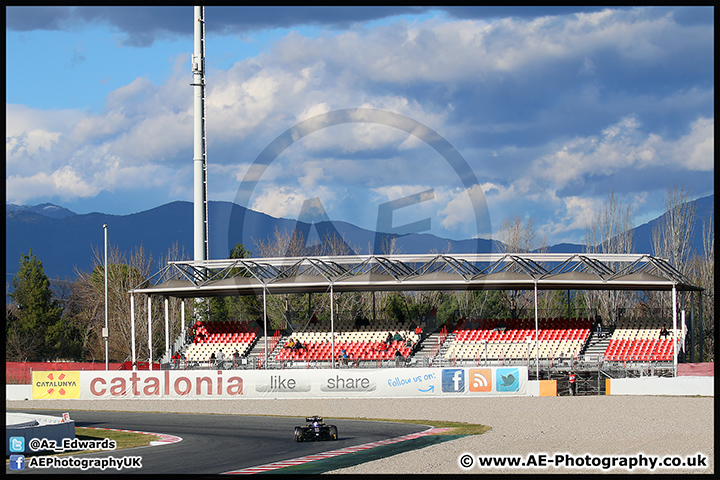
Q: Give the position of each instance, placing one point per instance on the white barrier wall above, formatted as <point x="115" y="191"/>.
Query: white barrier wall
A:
<point x="224" y="384"/>
<point x="704" y="386"/>
<point x="18" y="392"/>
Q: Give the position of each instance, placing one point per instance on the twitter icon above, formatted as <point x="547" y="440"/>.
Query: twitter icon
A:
<point x="507" y="380"/>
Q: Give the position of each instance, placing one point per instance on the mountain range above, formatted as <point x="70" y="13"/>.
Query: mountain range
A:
<point x="64" y="241"/>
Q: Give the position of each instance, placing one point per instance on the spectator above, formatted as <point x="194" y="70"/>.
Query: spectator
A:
<point x="664" y="332"/>
<point x="388" y="340"/>
<point x="344" y="356"/>
<point x="409" y="343"/>
<point x="418" y="330"/>
<point x="213" y="358"/>
<point x="236" y="358"/>
<point x="397" y="337"/>
<point x="571" y="381"/>
<point x="290" y="344"/>
<point x="220" y="358"/>
<point x="399" y="359"/>
<point x="599" y="329"/>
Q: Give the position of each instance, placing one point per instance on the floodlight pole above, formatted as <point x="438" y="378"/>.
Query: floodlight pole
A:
<point x="200" y="203"/>
<point x="105" y="330"/>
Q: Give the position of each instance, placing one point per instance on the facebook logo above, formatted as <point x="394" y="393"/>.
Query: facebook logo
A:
<point x="17" y="462"/>
<point x="453" y="380"/>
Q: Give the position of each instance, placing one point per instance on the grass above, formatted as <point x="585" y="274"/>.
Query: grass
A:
<point x="123" y="439"/>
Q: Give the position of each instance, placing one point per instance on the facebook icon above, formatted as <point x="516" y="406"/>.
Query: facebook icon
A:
<point x="453" y="380"/>
<point x="17" y="462"/>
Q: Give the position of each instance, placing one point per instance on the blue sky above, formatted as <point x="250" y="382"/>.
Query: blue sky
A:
<point x="552" y="109"/>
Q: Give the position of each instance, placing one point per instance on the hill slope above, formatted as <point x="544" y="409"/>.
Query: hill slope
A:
<point x="64" y="241"/>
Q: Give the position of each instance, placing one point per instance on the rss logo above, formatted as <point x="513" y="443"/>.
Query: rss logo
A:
<point x="480" y="380"/>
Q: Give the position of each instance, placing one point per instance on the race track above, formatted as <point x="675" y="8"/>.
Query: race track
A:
<point x="214" y="444"/>
<point x="596" y="425"/>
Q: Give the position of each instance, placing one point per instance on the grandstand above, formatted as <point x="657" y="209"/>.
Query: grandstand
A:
<point x="226" y="337"/>
<point x="558" y="341"/>
<point x="513" y="340"/>
<point x="635" y="341"/>
<point x="486" y="341"/>
<point x="365" y="345"/>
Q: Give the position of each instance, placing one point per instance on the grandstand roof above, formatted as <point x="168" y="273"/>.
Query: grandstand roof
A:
<point x="353" y="273"/>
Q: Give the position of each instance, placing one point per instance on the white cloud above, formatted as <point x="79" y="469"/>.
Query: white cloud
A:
<point x="467" y="80"/>
<point x="279" y="202"/>
<point x="623" y="145"/>
<point x="64" y="183"/>
<point x="696" y="150"/>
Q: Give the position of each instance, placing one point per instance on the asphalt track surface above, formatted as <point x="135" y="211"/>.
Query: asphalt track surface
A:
<point x="214" y="444"/>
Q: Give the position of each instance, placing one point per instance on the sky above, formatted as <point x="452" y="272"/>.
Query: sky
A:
<point x="416" y="119"/>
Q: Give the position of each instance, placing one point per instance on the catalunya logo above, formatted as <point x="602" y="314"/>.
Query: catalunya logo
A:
<point x="48" y="385"/>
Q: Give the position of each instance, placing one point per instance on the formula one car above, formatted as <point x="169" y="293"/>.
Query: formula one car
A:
<point x="315" y="430"/>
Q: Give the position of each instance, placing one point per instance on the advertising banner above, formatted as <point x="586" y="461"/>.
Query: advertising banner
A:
<point x="338" y="383"/>
<point x="227" y="384"/>
<point x="56" y="384"/>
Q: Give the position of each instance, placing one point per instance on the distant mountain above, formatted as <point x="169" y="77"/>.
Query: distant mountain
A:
<point x="642" y="235"/>
<point x="64" y="240"/>
<point x="46" y="210"/>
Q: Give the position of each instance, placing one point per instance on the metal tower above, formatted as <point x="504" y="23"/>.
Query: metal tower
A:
<point x="200" y="236"/>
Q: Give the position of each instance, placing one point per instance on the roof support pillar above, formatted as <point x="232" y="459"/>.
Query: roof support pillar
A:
<point x="265" y="324"/>
<point x="150" y="355"/>
<point x="132" y="330"/>
<point x="332" y="328"/>
<point x="182" y="316"/>
<point x="167" y="330"/>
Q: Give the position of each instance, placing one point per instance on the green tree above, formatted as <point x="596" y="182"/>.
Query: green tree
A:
<point x="32" y="334"/>
<point x="236" y="307"/>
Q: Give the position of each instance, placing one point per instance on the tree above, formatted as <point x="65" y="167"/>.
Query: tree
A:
<point x="237" y="307"/>
<point x="702" y="273"/>
<point x="672" y="240"/>
<point x="518" y="236"/>
<point x="610" y="232"/>
<point x="30" y="333"/>
<point x="672" y="236"/>
<point x="87" y="305"/>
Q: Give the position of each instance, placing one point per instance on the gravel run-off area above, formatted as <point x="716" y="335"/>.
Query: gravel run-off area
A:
<point x="590" y="427"/>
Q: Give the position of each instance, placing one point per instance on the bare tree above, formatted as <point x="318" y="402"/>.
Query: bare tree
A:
<point x="518" y="236"/>
<point x="672" y="237"/>
<point x="610" y="232"/>
<point x="88" y="303"/>
<point x="702" y="272"/>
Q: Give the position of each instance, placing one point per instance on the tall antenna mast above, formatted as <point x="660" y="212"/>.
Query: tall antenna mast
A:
<point x="200" y="236"/>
